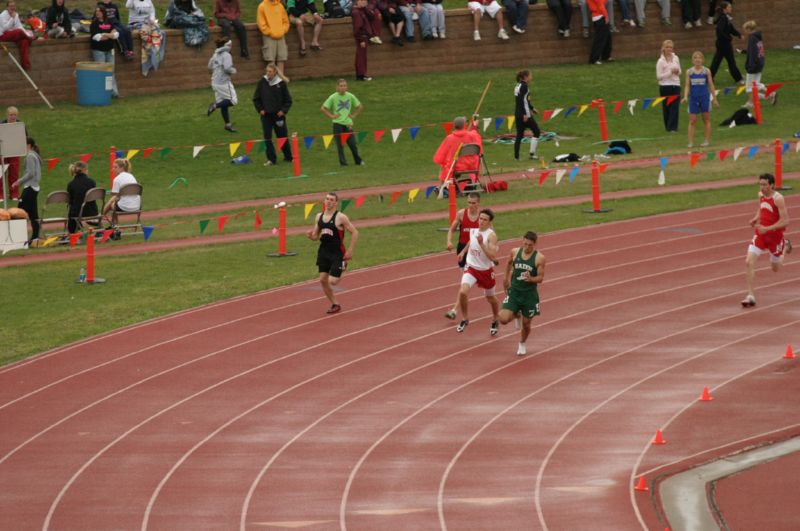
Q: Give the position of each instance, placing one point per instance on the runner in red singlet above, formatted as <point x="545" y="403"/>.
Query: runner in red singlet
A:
<point x="769" y="222"/>
<point x="466" y="219"/>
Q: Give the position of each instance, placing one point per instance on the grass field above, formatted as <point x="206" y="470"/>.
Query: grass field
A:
<point x="50" y="309"/>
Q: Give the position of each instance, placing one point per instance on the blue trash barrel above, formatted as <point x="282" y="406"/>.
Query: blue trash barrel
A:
<point x="94" y="82"/>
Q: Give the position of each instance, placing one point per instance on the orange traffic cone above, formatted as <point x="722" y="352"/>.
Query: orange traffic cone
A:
<point x="641" y="485"/>
<point x="659" y="439"/>
<point x="789" y="353"/>
<point x="705" y="397"/>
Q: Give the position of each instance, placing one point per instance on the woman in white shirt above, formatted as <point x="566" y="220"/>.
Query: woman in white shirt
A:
<point x="127" y="203"/>
<point x="140" y="12"/>
<point x="668" y="73"/>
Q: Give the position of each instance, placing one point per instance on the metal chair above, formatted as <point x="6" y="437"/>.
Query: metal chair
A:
<point x="92" y="195"/>
<point x="471" y="177"/>
<point x="128" y="190"/>
<point x="59" y="197"/>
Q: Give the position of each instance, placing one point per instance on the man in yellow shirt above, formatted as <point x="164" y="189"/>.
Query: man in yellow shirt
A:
<point x="273" y="21"/>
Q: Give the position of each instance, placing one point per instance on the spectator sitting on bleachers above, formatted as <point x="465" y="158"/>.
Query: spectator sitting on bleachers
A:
<point x="58" y="23"/>
<point x="562" y="9"/>
<point x="11" y="30"/>
<point x="140" y="12"/>
<point x="185" y="15"/>
<point x="228" y="13"/>
<point x="493" y="9"/>
<point x="435" y="10"/>
<point x="411" y="11"/>
<point x="101" y="44"/>
<point x="390" y="12"/>
<point x="273" y="22"/>
<point x="125" y="39"/>
<point x="517" y="12"/>
<point x="305" y="12"/>
<point x="665" y="12"/>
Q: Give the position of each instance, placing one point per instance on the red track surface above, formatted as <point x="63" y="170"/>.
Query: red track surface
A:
<point x="262" y="412"/>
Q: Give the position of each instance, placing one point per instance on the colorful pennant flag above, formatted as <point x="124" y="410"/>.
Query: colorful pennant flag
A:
<point x="146" y="152"/>
<point x="51" y="163"/>
<point x="693" y="159"/>
<point x="119" y="154"/>
<point x="555" y="112"/>
<point x="49" y="241"/>
<point x="572" y="174"/>
<point x="740" y="90"/>
<point x="106" y="235"/>
<point x="486" y="122"/>
<point x="281" y="142"/>
<point x="345" y="204"/>
<point x="196" y="151"/>
<point x="378" y="135"/>
<point x="727" y="90"/>
<point x="602" y="168"/>
<point x="671" y="100"/>
<point x="498" y="122"/>
<point x="752" y="152"/>
<point x="618" y="105"/>
<point x="344" y="137"/>
<point x="308" y="141"/>
<point x="361" y="136"/>
<point x="737" y="152"/>
<point x="396" y="134"/>
<point x="711" y="155"/>
<point x="664" y="161"/>
<point x="631" y="105"/>
<point x="234" y="147"/>
<point x="547" y="114"/>
<point x="73" y="238"/>
<point x="131" y="153"/>
<point x="429" y="191"/>
<point x="772" y="87"/>
<point x="248" y="146"/>
<point x="257" y="223"/>
<point x="662" y="180"/>
<point x="395" y="195"/>
<point x="412" y="194"/>
<point x="543" y="177"/>
<point x="447" y="126"/>
<point x="360" y="201"/>
<point x="412" y="131"/>
<point x="221" y="221"/>
<point x="164" y="152"/>
<point x="646" y="103"/>
<point x="723" y="153"/>
<point x="560" y="175"/>
<point x="326" y="140"/>
<point x="308" y="208"/>
<point x="570" y="111"/>
<point x="203" y="224"/>
<point x="583" y="109"/>
<point x="85" y="157"/>
<point x="147" y="231"/>
<point x="510" y="120"/>
<point x="658" y="100"/>
<point x="785" y="148"/>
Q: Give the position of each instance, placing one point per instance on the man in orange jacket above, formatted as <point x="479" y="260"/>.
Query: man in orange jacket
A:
<point x="451" y="145"/>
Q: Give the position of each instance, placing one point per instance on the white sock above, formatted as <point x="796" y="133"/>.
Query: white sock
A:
<point x="534" y="143"/>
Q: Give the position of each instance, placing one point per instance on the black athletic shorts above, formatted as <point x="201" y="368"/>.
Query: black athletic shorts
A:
<point x="463" y="261"/>
<point x="331" y="262"/>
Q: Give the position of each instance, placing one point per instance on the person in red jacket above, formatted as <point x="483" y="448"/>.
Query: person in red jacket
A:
<point x="601" y="44"/>
<point x="451" y="145"/>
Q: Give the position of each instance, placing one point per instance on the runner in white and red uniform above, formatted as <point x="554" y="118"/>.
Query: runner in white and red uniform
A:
<point x="480" y="256"/>
<point x="466" y="219"/>
<point x="769" y="222"/>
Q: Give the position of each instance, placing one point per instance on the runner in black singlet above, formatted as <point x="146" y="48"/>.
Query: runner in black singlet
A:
<point x="329" y="228"/>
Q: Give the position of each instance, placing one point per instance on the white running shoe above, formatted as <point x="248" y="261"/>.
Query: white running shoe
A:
<point x="462" y="325"/>
<point x="502" y="35"/>
<point x="476" y="35"/>
<point x="442" y="34"/>
<point x="494" y="328"/>
<point x="749" y="302"/>
<point x="521" y="350"/>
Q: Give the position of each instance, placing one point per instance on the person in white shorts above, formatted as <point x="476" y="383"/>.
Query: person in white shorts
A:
<point x="493" y="9"/>
<point x="481" y="254"/>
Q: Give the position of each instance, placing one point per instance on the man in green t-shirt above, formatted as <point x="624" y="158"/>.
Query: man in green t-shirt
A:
<point x="524" y="273"/>
<point x="342" y="107"/>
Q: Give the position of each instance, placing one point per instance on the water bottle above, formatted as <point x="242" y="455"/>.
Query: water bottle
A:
<point x="82" y="275"/>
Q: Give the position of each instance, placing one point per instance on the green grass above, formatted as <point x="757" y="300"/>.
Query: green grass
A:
<point x="55" y="310"/>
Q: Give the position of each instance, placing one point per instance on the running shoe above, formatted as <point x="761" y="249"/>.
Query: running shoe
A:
<point x="451" y="315"/>
<point x="787" y="246"/>
<point x="462" y="325"/>
<point x="521" y="351"/>
<point x="748" y="302"/>
<point x="335" y="308"/>
<point x="494" y="328"/>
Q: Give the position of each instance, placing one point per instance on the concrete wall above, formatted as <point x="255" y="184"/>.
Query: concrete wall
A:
<point x="185" y="68"/>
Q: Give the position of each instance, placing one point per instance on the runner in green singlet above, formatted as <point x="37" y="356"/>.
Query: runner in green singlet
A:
<point x="524" y="272"/>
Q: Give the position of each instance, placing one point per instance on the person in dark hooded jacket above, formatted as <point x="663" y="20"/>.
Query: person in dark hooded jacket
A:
<point x="754" y="64"/>
<point x="58" y="23"/>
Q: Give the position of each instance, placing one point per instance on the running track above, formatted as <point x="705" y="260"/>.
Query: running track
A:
<point x="261" y="412"/>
